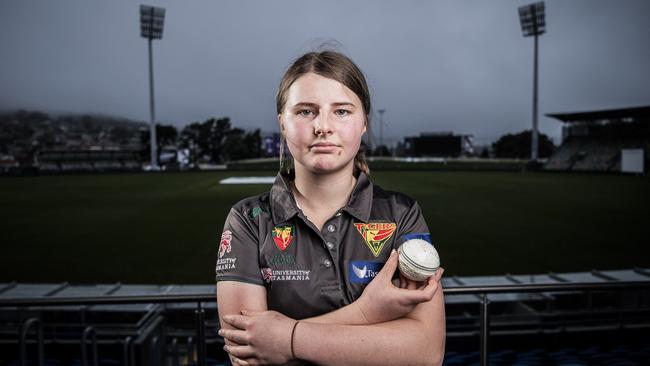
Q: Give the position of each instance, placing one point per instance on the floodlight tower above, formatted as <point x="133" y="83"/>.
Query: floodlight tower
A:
<point x="533" y="23"/>
<point x="152" y="21"/>
<point x="381" y="131"/>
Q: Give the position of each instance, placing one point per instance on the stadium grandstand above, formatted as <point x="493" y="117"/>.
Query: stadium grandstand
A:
<point x="614" y="140"/>
<point x="7" y="163"/>
<point x="66" y="160"/>
<point x="578" y="318"/>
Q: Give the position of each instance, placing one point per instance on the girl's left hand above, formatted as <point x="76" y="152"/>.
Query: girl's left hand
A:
<point x="384" y="300"/>
<point x="261" y="337"/>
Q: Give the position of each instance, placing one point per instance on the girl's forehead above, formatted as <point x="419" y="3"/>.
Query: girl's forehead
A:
<point x="314" y="88"/>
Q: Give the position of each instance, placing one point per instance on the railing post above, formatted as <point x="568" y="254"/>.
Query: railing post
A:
<point x="129" y="358"/>
<point x="200" y="334"/>
<point x="153" y="350"/>
<point x="190" y="347"/>
<point x="485" y="328"/>
<point x="175" y="352"/>
<point x="39" y="342"/>
<point x="89" y="331"/>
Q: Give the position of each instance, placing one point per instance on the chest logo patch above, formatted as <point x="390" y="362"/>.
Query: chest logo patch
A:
<point x="283" y="236"/>
<point x="376" y="234"/>
<point x="363" y="271"/>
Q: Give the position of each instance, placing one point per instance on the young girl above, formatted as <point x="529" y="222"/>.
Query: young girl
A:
<point x="305" y="271"/>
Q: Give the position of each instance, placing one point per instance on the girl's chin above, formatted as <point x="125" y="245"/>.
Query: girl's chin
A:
<point x="325" y="166"/>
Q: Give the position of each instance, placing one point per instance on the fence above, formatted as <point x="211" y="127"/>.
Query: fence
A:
<point x="199" y="312"/>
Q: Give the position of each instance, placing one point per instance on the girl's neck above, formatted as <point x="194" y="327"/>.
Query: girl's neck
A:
<point x="323" y="191"/>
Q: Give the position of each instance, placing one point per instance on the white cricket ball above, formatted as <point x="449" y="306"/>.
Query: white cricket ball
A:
<point x="418" y="259"/>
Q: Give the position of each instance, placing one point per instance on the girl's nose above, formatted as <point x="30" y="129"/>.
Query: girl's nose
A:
<point x="322" y="126"/>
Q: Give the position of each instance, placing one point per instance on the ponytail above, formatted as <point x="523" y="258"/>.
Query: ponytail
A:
<point x="360" y="163"/>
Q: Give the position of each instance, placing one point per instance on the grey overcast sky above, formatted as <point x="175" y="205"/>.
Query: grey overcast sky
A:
<point x="460" y="65"/>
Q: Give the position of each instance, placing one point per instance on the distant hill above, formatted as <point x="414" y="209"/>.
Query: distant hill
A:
<point x="90" y="121"/>
<point x="28" y="130"/>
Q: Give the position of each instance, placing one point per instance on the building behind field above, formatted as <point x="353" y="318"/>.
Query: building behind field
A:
<point x="438" y="144"/>
<point x="615" y="140"/>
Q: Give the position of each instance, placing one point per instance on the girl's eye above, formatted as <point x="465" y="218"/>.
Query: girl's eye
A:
<point x="305" y="113"/>
<point x="341" y="112"/>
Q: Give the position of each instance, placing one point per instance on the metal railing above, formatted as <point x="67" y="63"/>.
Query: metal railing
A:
<point x="481" y="291"/>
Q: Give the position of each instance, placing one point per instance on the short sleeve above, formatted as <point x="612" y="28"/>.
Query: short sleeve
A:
<point x="238" y="251"/>
<point x="412" y="226"/>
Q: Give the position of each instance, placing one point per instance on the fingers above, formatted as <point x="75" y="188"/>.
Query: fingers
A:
<point x="241" y="352"/>
<point x="390" y="266"/>
<point x="415" y="295"/>
<point x="235" y="335"/>
<point x="436" y="277"/>
<point x="237" y="321"/>
<point x="252" y="312"/>
<point x="430" y="289"/>
<point x="238" y="362"/>
<point x="411" y="285"/>
<point x="439" y="273"/>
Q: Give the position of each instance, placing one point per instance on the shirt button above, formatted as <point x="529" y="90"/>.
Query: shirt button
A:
<point x="338" y="214"/>
<point x="327" y="263"/>
<point x="331" y="228"/>
<point x="330" y="245"/>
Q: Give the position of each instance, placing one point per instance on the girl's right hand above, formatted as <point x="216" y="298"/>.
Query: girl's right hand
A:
<point x="382" y="300"/>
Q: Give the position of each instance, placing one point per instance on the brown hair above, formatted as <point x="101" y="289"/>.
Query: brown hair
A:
<point x="332" y="65"/>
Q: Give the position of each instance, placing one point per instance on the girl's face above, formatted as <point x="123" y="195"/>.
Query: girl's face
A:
<point x="323" y="122"/>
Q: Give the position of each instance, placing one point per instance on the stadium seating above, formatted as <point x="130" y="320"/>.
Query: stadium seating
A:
<point x="592" y="154"/>
<point x="64" y="161"/>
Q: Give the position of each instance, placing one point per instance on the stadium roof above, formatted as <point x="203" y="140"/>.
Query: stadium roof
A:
<point x="632" y="114"/>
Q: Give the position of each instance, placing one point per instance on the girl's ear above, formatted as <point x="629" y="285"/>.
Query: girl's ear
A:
<point x="280" y="123"/>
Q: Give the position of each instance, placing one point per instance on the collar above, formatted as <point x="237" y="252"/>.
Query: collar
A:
<point x="283" y="205"/>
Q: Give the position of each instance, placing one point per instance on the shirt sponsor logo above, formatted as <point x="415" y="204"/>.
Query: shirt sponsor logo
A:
<point x="283" y="236"/>
<point x="376" y="234"/>
<point x="273" y="275"/>
<point x="224" y="244"/>
<point x="424" y="236"/>
<point x="363" y="271"/>
<point x="225" y="264"/>
<point x="282" y="258"/>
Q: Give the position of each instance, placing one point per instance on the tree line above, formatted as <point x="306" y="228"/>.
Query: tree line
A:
<point x="213" y="141"/>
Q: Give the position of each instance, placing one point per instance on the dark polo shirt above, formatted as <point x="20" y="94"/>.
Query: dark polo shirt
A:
<point x="268" y="241"/>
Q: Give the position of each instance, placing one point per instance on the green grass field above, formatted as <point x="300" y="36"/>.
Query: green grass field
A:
<point x="163" y="228"/>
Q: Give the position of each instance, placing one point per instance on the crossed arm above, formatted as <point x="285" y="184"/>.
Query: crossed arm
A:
<point x="387" y="325"/>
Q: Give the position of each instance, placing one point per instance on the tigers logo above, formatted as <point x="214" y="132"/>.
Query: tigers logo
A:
<point x="224" y="244"/>
<point x="283" y="236"/>
<point x="376" y="234"/>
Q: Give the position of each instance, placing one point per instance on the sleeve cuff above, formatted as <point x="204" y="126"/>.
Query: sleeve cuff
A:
<point x="256" y="281"/>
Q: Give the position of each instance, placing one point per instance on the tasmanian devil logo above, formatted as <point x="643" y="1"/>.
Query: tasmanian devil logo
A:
<point x="283" y="236"/>
<point x="376" y="234"/>
<point x="224" y="244"/>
